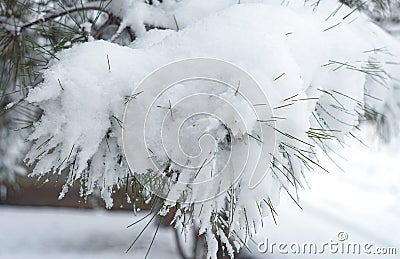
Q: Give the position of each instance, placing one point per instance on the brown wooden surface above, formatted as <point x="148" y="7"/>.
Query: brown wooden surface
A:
<point x="30" y="192"/>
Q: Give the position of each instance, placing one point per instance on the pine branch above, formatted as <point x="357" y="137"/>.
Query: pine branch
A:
<point x="57" y="15"/>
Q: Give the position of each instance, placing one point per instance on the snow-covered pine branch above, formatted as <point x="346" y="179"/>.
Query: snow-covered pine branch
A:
<point x="323" y="68"/>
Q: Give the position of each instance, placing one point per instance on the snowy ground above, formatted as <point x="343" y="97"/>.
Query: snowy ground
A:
<point x="69" y="233"/>
<point x="364" y="202"/>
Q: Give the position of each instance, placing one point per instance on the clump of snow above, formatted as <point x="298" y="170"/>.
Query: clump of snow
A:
<point x="86" y="29"/>
<point x="92" y="133"/>
<point x="317" y="67"/>
<point x="138" y="14"/>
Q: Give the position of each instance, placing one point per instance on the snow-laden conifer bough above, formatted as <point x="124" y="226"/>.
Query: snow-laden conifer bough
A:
<point x="323" y="67"/>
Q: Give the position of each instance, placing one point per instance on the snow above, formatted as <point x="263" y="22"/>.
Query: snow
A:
<point x="305" y="64"/>
<point x="138" y="14"/>
<point x="9" y="105"/>
<point x="71" y="233"/>
<point x="363" y="201"/>
<point x="75" y="123"/>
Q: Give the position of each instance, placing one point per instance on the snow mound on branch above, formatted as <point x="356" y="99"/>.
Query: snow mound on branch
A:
<point x="318" y="69"/>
